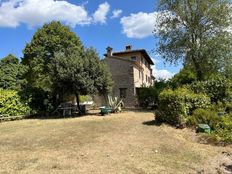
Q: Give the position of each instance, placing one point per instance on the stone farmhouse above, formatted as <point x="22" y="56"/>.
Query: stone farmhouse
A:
<point x="130" y="69"/>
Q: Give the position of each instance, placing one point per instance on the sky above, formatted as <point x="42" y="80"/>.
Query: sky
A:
<point x="98" y="23"/>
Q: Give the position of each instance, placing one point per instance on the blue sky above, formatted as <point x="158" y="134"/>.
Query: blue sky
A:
<point x="98" y="23"/>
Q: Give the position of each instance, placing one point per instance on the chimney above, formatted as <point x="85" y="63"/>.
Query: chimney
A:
<point x="109" y="51"/>
<point x="128" y="47"/>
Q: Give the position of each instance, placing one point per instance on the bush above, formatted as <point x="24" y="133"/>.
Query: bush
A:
<point x="147" y="96"/>
<point x="184" y="77"/>
<point x="218" y="88"/>
<point x="176" y="105"/>
<point x="228" y="108"/>
<point x="204" y="116"/>
<point x="223" y="131"/>
<point x="11" y="104"/>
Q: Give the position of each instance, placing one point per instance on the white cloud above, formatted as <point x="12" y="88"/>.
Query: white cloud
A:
<point x="116" y="13"/>
<point x="101" y="13"/>
<point x="37" y="12"/>
<point x="139" y="25"/>
<point x="162" y="74"/>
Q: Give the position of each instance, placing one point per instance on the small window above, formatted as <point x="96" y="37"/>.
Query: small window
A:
<point x="142" y="60"/>
<point x="133" y="58"/>
<point x="122" y="92"/>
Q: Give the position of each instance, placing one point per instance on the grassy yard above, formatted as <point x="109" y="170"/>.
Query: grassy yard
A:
<point x="123" y="143"/>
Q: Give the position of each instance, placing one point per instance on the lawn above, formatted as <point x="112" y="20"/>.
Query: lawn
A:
<point x="122" y="143"/>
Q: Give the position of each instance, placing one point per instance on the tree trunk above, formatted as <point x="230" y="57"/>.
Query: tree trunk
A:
<point x="198" y="69"/>
<point x="78" y="103"/>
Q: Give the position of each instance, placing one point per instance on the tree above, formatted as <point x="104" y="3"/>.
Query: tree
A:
<point x="99" y="72"/>
<point x="79" y="75"/>
<point x="39" y="53"/>
<point x="197" y="32"/>
<point x="184" y="77"/>
<point x="11" y="73"/>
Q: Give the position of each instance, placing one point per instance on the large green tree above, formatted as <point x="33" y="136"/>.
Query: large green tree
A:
<point x="196" y="32"/>
<point x="39" y="53"/>
<point x="79" y="75"/>
<point x="59" y="65"/>
<point x="11" y="73"/>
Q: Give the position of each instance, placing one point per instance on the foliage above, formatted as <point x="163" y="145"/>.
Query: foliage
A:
<point x="85" y="98"/>
<point x="40" y="100"/>
<point x="218" y="88"/>
<point x="160" y="85"/>
<point x="219" y="121"/>
<point x="196" y="32"/>
<point x="59" y="65"/>
<point x="204" y="116"/>
<point x="223" y="130"/>
<point x="147" y="96"/>
<point x="11" y="103"/>
<point x="40" y="52"/>
<point x="115" y="103"/>
<point x="11" y="73"/>
<point x="175" y="105"/>
<point x="99" y="72"/>
<point x="184" y="77"/>
<point x="80" y="75"/>
<point x="228" y="108"/>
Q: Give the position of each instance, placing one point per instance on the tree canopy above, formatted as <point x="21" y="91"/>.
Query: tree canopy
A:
<point x="197" y="33"/>
<point x="184" y="77"/>
<point x="11" y="73"/>
<point x="80" y="75"/>
<point x="60" y="65"/>
<point x="39" y="53"/>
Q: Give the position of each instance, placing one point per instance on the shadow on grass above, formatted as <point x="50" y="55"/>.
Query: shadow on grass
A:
<point x="139" y="110"/>
<point x="228" y="168"/>
<point x="152" y="123"/>
<point x="45" y="116"/>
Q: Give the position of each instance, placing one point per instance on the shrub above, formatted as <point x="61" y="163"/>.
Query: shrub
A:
<point x="204" y="116"/>
<point x="175" y="105"/>
<point x="218" y="88"/>
<point x="228" y="107"/>
<point x="11" y="104"/>
<point x="147" y="96"/>
<point x="185" y="76"/>
<point x="223" y="130"/>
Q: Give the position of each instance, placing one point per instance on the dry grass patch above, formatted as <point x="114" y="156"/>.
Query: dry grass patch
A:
<point x="121" y="143"/>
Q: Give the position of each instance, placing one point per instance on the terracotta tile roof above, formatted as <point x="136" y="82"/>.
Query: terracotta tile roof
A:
<point x="143" y="51"/>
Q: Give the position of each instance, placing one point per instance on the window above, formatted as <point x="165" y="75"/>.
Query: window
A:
<point x="122" y="92"/>
<point x="142" y="60"/>
<point x="133" y="58"/>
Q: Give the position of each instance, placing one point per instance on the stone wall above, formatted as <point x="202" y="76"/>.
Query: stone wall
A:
<point x="123" y="77"/>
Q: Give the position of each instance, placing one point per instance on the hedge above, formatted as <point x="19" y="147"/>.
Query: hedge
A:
<point x="175" y="105"/>
<point x="11" y="104"/>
